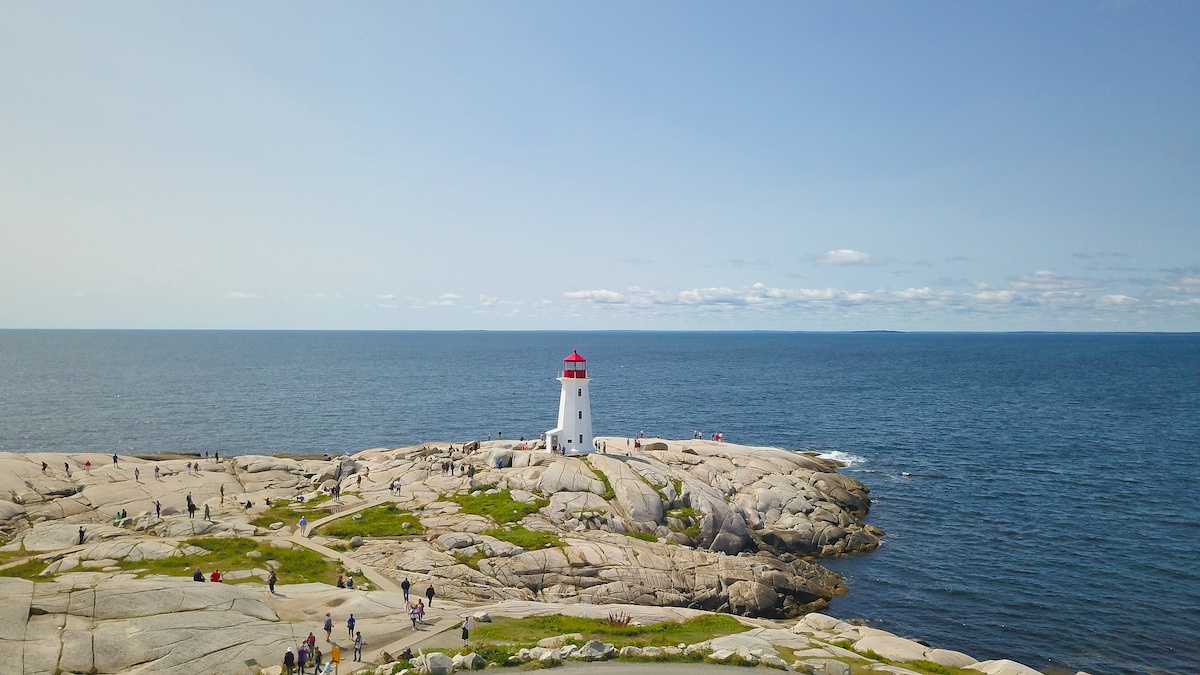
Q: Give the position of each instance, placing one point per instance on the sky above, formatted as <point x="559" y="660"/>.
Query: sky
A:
<point x="922" y="166"/>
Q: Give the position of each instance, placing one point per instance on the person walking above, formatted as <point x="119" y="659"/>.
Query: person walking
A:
<point x="328" y="627"/>
<point x="303" y="525"/>
<point x="137" y="475"/>
<point x="157" y="473"/>
<point x="44" y="467"/>
<point x="350" y="626"/>
<point x="271" y="581"/>
<point x="358" y="645"/>
<point x="412" y="614"/>
<point x="429" y="594"/>
<point x="404" y="586"/>
<point x="316" y="657"/>
<point x="301" y="658"/>
<point x="206" y="513"/>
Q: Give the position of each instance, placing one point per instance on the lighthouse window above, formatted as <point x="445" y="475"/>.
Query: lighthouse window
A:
<point x="580" y="438"/>
<point x="580" y="414"/>
<point x="580" y="393"/>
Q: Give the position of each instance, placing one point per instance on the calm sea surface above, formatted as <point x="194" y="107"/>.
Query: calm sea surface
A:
<point x="1039" y="491"/>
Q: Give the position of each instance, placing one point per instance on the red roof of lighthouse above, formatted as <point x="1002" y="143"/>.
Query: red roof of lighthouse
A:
<point x="574" y="357"/>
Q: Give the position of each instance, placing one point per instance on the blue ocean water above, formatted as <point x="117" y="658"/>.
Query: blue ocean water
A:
<point x="1039" y="490"/>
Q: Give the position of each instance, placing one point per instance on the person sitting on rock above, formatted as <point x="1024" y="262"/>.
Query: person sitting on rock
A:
<point x="197" y="575"/>
<point x="341" y="582"/>
<point x="215" y="577"/>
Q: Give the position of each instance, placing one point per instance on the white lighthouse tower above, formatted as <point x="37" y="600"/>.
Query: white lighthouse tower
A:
<point x="574" y="431"/>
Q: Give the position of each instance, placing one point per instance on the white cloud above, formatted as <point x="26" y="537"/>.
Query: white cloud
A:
<point x="846" y="256"/>
<point x="602" y="296"/>
<point x="1118" y="299"/>
<point x="487" y="301"/>
<point x="445" y="300"/>
<point x="385" y="296"/>
<point x="242" y="295"/>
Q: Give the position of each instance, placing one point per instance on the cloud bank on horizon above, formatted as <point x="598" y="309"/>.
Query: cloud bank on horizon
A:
<point x="946" y="166"/>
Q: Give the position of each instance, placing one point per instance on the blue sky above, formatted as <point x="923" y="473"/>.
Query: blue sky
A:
<point x="560" y="165"/>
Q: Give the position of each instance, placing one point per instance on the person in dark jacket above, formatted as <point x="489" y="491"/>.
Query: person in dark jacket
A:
<point x="429" y="594"/>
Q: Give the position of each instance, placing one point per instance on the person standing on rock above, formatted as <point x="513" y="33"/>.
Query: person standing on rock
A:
<point x="222" y="494"/>
<point x="301" y="658"/>
<point x="137" y="475"/>
<point x="328" y="627"/>
<point x="429" y="594"/>
<point x="289" y="661"/>
<point x="206" y="513"/>
<point x="114" y="459"/>
<point x="272" y="579"/>
<point x="316" y="656"/>
<point x="303" y="525"/>
<point x="191" y="509"/>
<point x="82" y="533"/>
<point x="44" y="467"/>
<point x="157" y="505"/>
<point x="466" y="630"/>
<point x="157" y="473"/>
<point x="358" y="645"/>
<point x="404" y="586"/>
<point x="67" y="467"/>
<point x="350" y="626"/>
<point x="87" y="467"/>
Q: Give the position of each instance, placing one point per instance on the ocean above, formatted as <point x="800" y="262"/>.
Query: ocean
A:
<point x="1039" y="491"/>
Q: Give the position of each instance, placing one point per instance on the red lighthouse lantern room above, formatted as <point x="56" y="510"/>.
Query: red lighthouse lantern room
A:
<point x="574" y="365"/>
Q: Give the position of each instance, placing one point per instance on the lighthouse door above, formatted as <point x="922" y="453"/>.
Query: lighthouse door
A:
<point x="553" y="443"/>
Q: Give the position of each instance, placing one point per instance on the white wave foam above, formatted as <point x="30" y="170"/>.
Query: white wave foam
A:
<point x="846" y="458"/>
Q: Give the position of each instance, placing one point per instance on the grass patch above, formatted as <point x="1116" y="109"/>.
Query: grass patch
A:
<point x="937" y="668"/>
<point x="297" y="564"/>
<point x="524" y="537"/>
<point x="497" y="654"/>
<point x="471" y="560"/>
<point x="644" y="536"/>
<point x="30" y="569"/>
<point x="280" y="511"/>
<point x="385" y="520"/>
<point x="500" y="506"/>
<point x="504" y="630"/>
<point x="609" y="493"/>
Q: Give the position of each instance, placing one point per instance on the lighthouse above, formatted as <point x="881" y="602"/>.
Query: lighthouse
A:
<point x="574" y="430"/>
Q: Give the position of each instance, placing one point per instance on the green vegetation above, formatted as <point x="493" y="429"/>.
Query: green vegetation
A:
<point x="609" y="493"/>
<point x="385" y="520"/>
<point x="523" y="537"/>
<point x="644" y="536"/>
<point x="500" y="506"/>
<point x="938" y="669"/>
<point x="471" y="560"/>
<point x="509" y="631"/>
<point x="281" y="511"/>
<point x="297" y="565"/>
<point x="30" y="569"/>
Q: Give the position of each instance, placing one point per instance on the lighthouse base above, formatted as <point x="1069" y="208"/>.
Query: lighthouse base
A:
<point x="559" y="443"/>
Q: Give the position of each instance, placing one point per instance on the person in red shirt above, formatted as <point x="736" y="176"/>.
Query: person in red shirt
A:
<point x="215" y="577"/>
